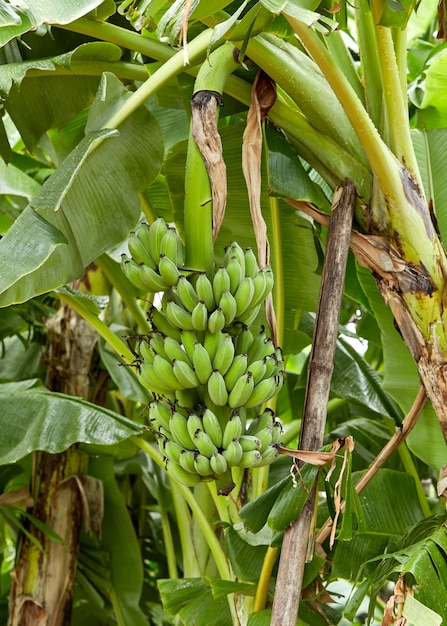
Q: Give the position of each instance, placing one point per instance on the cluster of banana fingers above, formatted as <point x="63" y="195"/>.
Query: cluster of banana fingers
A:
<point x="198" y="446"/>
<point x="202" y="358"/>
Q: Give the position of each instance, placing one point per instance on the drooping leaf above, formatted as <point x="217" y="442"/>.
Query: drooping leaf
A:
<point x="16" y="21"/>
<point x="41" y="94"/>
<point x="192" y="599"/>
<point x="85" y="207"/>
<point x="36" y="419"/>
<point x="246" y="560"/>
<point x="390" y="505"/>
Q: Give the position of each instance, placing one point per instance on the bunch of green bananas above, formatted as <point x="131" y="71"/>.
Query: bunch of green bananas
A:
<point x="200" y="446"/>
<point x="157" y="255"/>
<point x="203" y="358"/>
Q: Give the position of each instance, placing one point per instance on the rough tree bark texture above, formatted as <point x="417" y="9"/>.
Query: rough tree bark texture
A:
<point x="43" y="580"/>
<point x="296" y="538"/>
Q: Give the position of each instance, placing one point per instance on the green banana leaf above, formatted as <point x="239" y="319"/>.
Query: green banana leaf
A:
<point x="29" y="15"/>
<point x="88" y="205"/>
<point x="47" y="93"/>
<point x="33" y="418"/>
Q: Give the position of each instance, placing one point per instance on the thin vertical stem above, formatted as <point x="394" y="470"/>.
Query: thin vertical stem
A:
<point x="295" y="543"/>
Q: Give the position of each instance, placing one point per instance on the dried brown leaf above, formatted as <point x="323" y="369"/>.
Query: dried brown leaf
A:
<point x="20" y="497"/>
<point x="442" y="482"/>
<point x="263" y="96"/>
<point x="204" y="107"/>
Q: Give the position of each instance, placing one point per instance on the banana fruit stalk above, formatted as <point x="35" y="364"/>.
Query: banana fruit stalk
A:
<point x="203" y="362"/>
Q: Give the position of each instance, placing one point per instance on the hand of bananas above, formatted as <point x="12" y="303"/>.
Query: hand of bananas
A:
<point x="202" y="360"/>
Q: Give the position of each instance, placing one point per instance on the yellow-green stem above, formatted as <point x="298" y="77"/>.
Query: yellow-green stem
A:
<point x="102" y="329"/>
<point x="264" y="578"/>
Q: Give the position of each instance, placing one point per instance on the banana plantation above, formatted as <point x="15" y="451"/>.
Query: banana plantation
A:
<point x="223" y="366"/>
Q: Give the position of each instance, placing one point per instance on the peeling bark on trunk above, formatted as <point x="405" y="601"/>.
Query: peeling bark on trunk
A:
<point x="43" y="579"/>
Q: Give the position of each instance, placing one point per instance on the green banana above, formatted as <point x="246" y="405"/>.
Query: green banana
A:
<point x="217" y="390"/>
<point x="265" y="420"/>
<point x="235" y="272"/>
<point x="160" y="413"/>
<point x="152" y="279"/>
<point x="249" y="442"/>
<point x="244" y="340"/>
<point x="171" y="246"/>
<point x="232" y="430"/>
<point x="188" y="340"/>
<point x="171" y="450"/>
<point x="228" y="305"/>
<point x="262" y="392"/>
<point x="147" y="241"/>
<point x="265" y="437"/>
<point x="204" y="444"/>
<point x="202" y="465"/>
<point x="139" y="252"/>
<point x="160" y="322"/>
<point x="174" y="350"/>
<point x="249" y="316"/>
<point x="199" y="316"/>
<point x="202" y="363"/>
<point x="241" y="391"/>
<point x="257" y="350"/>
<point x="212" y="427"/>
<point x="149" y="380"/>
<point x="204" y="290"/>
<point x="194" y="423"/>
<point x="268" y="456"/>
<point x="234" y="250"/>
<point x="216" y="321"/>
<point x="276" y="432"/>
<point x="152" y="237"/>
<point x="168" y="270"/>
<point x="251" y="263"/>
<point x="146" y="352"/>
<point x="212" y="342"/>
<point x="218" y="463"/>
<point x="221" y="283"/>
<point x="182" y="476"/>
<point x="131" y="270"/>
<point x="186" y="460"/>
<point x="258" y="369"/>
<point x="233" y="453"/>
<point x="178" y="317"/>
<point x="178" y="425"/>
<point x="157" y="344"/>
<point x="186" y="293"/>
<point x="235" y="371"/>
<point x="165" y="374"/>
<point x="185" y="374"/>
<point x="244" y="295"/>
<point x="224" y="355"/>
<point x="250" y="458"/>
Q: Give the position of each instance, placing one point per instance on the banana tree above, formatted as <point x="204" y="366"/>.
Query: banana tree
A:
<point x="97" y="106"/>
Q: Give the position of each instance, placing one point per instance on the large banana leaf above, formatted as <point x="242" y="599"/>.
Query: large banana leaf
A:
<point x="40" y="94"/>
<point x="33" y="418"/>
<point x="88" y="205"/>
<point x="28" y="15"/>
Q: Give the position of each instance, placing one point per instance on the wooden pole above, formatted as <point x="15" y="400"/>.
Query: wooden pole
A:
<point x="296" y="538"/>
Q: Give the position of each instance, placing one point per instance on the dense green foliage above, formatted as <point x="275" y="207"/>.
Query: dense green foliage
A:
<point x="95" y="139"/>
